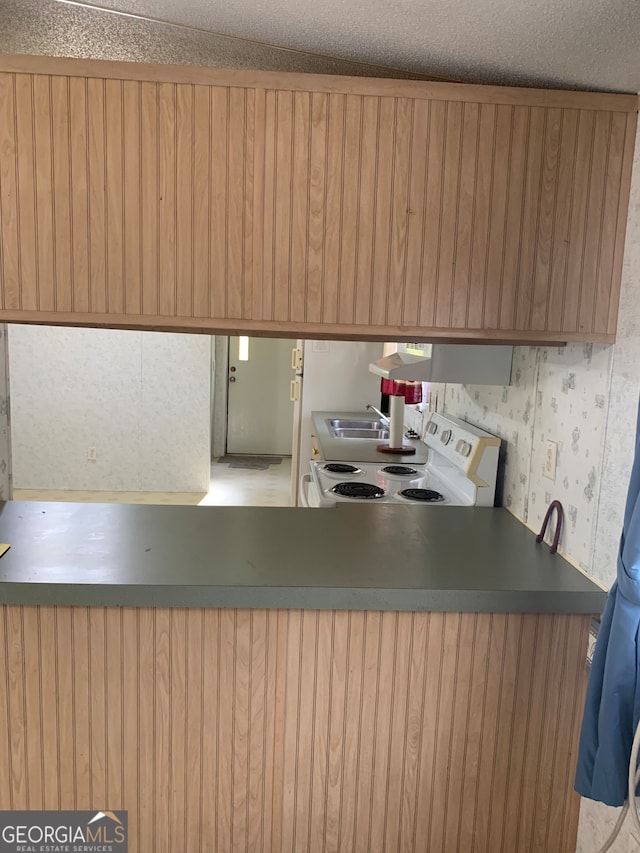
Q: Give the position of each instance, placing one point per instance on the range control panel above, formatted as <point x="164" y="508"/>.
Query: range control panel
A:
<point x="456" y="440"/>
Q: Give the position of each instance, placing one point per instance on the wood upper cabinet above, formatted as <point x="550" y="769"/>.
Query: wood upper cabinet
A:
<point x="126" y="199"/>
<point x="214" y="200"/>
<point x="447" y="216"/>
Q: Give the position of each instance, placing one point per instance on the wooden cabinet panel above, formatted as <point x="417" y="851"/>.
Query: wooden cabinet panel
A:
<point x="454" y="216"/>
<point x="229" y="201"/>
<point x="125" y="200"/>
<point x="10" y="255"/>
<point x="287" y="730"/>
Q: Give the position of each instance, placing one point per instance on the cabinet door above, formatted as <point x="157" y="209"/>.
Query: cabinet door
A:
<point x="126" y="199"/>
<point x="500" y="220"/>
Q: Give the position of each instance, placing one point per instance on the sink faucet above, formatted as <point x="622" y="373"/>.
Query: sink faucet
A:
<point x="383" y="418"/>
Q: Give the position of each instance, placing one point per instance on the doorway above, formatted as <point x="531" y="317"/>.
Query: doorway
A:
<point x="259" y="399"/>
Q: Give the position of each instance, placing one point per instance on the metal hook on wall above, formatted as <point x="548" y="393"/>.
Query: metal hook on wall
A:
<point x="560" y="519"/>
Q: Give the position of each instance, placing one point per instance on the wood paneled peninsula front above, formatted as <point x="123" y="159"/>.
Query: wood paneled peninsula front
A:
<point x="270" y="679"/>
<point x="231" y="201"/>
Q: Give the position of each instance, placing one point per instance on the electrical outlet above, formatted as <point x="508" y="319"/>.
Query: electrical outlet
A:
<point x="550" y="460"/>
<point x="92" y="454"/>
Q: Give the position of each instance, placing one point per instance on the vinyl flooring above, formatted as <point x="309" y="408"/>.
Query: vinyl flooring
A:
<point x="228" y="487"/>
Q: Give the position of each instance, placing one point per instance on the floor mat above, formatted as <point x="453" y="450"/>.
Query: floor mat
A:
<point x="260" y="463"/>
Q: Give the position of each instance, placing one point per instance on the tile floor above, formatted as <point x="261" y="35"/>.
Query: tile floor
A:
<point x="249" y="487"/>
<point x="228" y="487"/>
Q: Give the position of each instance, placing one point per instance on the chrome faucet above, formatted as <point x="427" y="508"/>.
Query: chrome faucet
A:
<point x="383" y="418"/>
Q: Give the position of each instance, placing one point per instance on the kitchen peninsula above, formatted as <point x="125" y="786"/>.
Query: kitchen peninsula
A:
<point x="284" y="679"/>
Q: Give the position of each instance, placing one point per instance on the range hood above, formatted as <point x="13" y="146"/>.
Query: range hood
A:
<point x="467" y="364"/>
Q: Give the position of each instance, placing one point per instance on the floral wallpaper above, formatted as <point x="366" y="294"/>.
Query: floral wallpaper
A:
<point x="506" y="412"/>
<point x="556" y="394"/>
<point x="5" y="434"/>
<point x="572" y="395"/>
<point x="622" y="399"/>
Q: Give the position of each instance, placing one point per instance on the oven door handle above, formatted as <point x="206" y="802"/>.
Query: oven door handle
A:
<point x="305" y="479"/>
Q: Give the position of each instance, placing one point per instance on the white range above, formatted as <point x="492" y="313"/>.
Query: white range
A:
<point x="461" y="470"/>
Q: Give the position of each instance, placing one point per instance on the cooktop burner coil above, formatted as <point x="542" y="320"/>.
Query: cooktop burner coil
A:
<point x="400" y="471"/>
<point x="424" y="495"/>
<point x="340" y="468"/>
<point x="358" y="491"/>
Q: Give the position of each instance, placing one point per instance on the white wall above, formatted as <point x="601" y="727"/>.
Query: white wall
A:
<point x="220" y="359"/>
<point x="336" y="378"/>
<point x="142" y="399"/>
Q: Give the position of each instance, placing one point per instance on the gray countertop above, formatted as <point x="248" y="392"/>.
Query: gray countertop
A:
<point x="350" y="557"/>
<point x="359" y="449"/>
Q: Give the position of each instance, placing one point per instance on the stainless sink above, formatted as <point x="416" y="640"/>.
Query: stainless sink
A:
<point x="357" y="428"/>
<point x="360" y="433"/>
<point x="354" y="423"/>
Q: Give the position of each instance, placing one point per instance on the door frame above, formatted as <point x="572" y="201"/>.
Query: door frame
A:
<point x="219" y="396"/>
<point x="221" y="380"/>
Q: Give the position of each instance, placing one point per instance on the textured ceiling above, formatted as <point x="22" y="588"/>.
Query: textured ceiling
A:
<point x="50" y="28"/>
<point x="580" y="44"/>
<point x="586" y="44"/>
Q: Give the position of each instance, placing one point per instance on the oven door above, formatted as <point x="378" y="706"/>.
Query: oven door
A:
<point x="310" y="492"/>
<point x="304" y="490"/>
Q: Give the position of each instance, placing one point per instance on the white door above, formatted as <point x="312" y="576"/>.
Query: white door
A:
<point x="259" y="404"/>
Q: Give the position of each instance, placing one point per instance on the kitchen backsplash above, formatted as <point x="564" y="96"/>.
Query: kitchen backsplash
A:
<point x="556" y="394"/>
<point x="571" y="408"/>
<point x="507" y="412"/>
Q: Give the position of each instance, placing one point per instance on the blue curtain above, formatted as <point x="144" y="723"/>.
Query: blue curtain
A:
<point x="612" y="707"/>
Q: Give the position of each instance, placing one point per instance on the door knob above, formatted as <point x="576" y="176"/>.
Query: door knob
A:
<point x="232" y="379"/>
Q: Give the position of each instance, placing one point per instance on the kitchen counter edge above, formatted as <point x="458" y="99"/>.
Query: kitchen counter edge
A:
<point x="357" y="558"/>
<point x="299" y="598"/>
